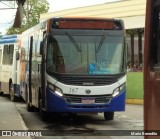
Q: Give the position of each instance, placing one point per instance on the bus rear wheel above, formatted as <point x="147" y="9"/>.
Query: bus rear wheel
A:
<point x="108" y="116"/>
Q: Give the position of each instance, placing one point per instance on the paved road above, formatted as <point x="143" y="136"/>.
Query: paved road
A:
<point x="10" y="119"/>
<point x="14" y="116"/>
<point x="131" y="119"/>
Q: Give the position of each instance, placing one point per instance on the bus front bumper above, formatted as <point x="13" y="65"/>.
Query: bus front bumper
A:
<point x="56" y="103"/>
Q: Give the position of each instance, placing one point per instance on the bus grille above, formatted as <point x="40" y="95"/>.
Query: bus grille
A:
<point x="99" y="99"/>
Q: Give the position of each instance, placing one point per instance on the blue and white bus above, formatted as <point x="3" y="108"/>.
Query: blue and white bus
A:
<point x="75" y="65"/>
<point x="9" y="63"/>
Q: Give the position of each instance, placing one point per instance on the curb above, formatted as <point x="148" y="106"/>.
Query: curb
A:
<point x="21" y="119"/>
<point x="135" y="101"/>
<point x="22" y="123"/>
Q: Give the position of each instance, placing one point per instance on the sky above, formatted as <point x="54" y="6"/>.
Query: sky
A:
<point x="7" y="16"/>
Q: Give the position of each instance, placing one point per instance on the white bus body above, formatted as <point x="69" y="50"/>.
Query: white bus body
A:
<point x="9" y="63"/>
<point x="75" y="65"/>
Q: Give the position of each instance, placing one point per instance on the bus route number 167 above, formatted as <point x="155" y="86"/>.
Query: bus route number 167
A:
<point x="73" y="90"/>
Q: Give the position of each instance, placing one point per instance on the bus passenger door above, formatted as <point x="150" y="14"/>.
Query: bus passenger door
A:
<point x="0" y="67"/>
<point x="43" y="81"/>
<point x="30" y="72"/>
<point x="16" y="58"/>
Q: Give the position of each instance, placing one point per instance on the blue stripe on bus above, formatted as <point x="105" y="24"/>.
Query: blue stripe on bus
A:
<point x="8" y="36"/>
<point x="12" y="40"/>
<point x="58" y="104"/>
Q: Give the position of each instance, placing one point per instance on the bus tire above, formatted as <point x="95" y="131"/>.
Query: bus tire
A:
<point x="28" y="106"/>
<point x="1" y="93"/>
<point x="11" y="92"/>
<point x="43" y="114"/>
<point x="108" y="116"/>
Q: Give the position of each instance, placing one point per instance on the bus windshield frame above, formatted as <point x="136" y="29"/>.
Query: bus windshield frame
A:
<point x="86" y="52"/>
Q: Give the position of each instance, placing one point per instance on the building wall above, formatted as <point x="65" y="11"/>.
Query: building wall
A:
<point x="136" y="45"/>
<point x="132" y="12"/>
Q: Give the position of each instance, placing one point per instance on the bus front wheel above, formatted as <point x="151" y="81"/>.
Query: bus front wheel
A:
<point x="28" y="105"/>
<point x="43" y="114"/>
<point x="1" y="93"/>
<point x="108" y="116"/>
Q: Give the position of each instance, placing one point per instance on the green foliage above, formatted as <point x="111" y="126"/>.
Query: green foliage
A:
<point x="32" y="11"/>
<point x="13" y="30"/>
<point x="134" y="85"/>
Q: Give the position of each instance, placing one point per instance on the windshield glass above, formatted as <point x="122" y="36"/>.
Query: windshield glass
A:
<point x="85" y="54"/>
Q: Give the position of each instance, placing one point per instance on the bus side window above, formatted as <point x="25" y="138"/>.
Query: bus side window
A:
<point x="8" y="54"/>
<point x="155" y="36"/>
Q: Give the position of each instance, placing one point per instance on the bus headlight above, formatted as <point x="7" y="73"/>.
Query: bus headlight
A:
<point x="55" y="89"/>
<point x="58" y="91"/>
<point x="118" y="90"/>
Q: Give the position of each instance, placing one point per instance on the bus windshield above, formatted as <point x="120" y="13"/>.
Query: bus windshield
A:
<point x="85" y="54"/>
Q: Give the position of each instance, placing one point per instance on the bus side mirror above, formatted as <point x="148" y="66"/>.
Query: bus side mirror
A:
<point x="17" y="55"/>
<point x="41" y="48"/>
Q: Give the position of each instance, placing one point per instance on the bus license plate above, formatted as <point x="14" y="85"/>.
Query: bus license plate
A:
<point x="88" y="100"/>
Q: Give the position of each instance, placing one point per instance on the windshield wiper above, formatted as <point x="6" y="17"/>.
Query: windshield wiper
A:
<point x="101" y="42"/>
<point x="73" y="41"/>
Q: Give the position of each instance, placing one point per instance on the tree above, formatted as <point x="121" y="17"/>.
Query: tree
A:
<point x="32" y="11"/>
